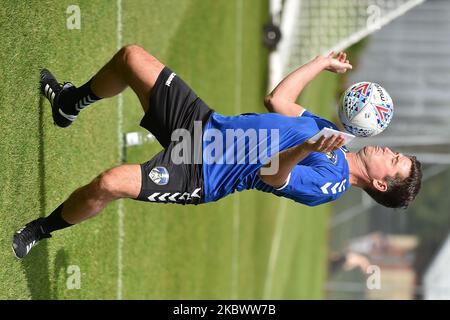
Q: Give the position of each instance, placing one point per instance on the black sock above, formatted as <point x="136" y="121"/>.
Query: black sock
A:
<point x="74" y="99"/>
<point x="85" y="96"/>
<point x="55" y="221"/>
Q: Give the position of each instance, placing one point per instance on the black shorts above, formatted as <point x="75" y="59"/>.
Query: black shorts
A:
<point x="173" y="105"/>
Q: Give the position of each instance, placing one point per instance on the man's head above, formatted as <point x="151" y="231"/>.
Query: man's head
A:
<point x="394" y="178"/>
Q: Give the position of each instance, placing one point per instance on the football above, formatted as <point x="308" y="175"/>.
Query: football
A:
<point x="365" y="109"/>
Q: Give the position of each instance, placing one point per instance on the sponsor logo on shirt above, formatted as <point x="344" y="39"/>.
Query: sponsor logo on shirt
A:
<point x="169" y="80"/>
<point x="332" y="156"/>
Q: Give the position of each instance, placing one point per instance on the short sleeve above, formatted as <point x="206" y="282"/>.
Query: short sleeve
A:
<point x="321" y="122"/>
<point x="303" y="185"/>
<point x="312" y="185"/>
<point x="285" y="184"/>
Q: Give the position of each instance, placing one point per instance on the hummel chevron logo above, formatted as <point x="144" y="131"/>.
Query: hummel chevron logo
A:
<point x="337" y="187"/>
<point x="333" y="188"/>
<point x="342" y="185"/>
<point x="153" y="197"/>
<point x="163" y="197"/>
<point x="84" y="102"/>
<point x="174" y="197"/>
<point x="325" y="186"/>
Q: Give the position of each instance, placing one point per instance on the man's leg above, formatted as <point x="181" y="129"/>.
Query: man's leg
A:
<point x="130" y="66"/>
<point x="86" y="202"/>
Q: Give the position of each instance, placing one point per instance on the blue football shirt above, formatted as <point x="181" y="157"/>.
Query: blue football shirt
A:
<point x="236" y="147"/>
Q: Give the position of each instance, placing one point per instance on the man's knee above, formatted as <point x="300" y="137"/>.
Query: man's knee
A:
<point x="139" y="69"/>
<point x="130" y="54"/>
<point x="130" y="50"/>
<point x="120" y="182"/>
<point x="107" y="185"/>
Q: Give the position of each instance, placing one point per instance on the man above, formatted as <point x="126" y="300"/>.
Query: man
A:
<point x="309" y="173"/>
<point x="348" y="261"/>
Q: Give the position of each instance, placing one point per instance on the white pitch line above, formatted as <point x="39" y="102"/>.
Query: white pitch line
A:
<point x="120" y="209"/>
<point x="237" y="109"/>
<point x="276" y="241"/>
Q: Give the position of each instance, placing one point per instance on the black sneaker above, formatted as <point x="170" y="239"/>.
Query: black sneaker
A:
<point x="59" y="95"/>
<point x="27" y="237"/>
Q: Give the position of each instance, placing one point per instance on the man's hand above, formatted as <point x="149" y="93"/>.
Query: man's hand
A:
<point x="283" y="98"/>
<point x="324" y="144"/>
<point x="338" y="63"/>
<point x="289" y="158"/>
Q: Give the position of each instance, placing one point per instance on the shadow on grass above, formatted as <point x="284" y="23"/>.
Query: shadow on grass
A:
<point x="59" y="271"/>
<point x="36" y="264"/>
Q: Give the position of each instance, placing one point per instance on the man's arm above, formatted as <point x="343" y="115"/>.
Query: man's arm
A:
<point x="289" y="158"/>
<point x="282" y="99"/>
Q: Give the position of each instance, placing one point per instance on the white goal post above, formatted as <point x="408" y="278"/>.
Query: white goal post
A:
<point x="312" y="27"/>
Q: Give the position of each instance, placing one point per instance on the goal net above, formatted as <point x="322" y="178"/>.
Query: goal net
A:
<point x="312" y="27"/>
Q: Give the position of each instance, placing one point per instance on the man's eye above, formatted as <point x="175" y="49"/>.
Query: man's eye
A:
<point x="394" y="158"/>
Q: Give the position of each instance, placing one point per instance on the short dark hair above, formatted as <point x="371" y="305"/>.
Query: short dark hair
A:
<point x="400" y="192"/>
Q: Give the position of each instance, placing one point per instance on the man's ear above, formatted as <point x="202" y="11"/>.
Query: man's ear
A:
<point x="379" y="185"/>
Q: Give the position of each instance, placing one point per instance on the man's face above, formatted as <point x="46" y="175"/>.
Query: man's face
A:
<point x="382" y="161"/>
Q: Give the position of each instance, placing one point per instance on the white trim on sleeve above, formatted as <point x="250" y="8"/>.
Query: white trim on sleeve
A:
<point x="285" y="184"/>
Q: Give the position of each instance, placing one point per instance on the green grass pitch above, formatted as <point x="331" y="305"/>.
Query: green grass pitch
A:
<point x="248" y="246"/>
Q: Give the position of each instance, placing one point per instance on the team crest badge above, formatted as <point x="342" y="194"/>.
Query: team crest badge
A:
<point x="159" y="175"/>
<point x="332" y="156"/>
